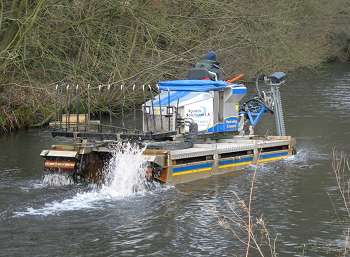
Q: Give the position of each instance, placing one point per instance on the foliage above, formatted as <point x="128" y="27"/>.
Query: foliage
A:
<point x="141" y="41"/>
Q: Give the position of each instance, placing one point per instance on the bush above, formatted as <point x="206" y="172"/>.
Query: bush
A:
<point x="133" y="41"/>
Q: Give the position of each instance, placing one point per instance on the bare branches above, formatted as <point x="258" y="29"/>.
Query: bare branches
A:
<point x="104" y="41"/>
<point x="341" y="170"/>
<point x="242" y="223"/>
<point x="83" y="39"/>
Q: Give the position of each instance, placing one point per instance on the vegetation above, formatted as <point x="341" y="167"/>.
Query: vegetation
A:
<point x="341" y="171"/>
<point x="254" y="234"/>
<point x="46" y="42"/>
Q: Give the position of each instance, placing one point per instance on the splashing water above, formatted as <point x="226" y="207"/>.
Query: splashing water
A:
<point x="125" y="172"/>
<point x="57" y="180"/>
<point x="125" y="177"/>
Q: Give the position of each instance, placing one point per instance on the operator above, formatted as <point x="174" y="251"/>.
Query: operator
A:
<point x="210" y="63"/>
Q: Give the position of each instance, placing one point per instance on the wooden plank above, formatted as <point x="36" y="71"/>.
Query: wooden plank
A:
<point x="73" y="118"/>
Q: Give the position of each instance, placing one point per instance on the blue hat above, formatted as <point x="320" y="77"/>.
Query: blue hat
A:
<point x="211" y="55"/>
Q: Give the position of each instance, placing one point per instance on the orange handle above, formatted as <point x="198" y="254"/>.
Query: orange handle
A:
<point x="236" y="78"/>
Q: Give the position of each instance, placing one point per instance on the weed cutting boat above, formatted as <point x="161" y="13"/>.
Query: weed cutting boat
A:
<point x="191" y="129"/>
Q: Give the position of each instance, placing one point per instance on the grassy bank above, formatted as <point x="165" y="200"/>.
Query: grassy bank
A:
<point x="125" y="42"/>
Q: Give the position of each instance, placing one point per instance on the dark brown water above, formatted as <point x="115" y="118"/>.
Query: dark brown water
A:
<point x="297" y="197"/>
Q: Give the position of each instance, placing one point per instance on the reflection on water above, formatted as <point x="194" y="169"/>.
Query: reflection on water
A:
<point x="296" y="196"/>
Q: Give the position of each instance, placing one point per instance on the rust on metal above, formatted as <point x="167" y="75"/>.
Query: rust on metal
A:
<point x="59" y="164"/>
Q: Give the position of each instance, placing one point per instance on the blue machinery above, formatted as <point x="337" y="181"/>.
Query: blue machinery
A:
<point x="257" y="107"/>
<point x="195" y="107"/>
<point x="205" y="106"/>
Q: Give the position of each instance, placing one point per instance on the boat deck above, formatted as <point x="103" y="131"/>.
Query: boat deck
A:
<point x="229" y="145"/>
<point x="226" y="156"/>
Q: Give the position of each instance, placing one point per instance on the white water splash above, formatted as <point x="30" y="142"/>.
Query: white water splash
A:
<point x="125" y="175"/>
<point x="125" y="172"/>
<point x="57" y="180"/>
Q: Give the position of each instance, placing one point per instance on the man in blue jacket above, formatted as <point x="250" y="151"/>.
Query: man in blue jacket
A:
<point x="210" y="63"/>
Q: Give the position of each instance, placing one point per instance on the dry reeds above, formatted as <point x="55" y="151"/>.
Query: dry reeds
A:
<point x="341" y="171"/>
<point x="252" y="232"/>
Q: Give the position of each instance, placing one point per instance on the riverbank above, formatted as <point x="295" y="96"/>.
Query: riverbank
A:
<point x="141" y="42"/>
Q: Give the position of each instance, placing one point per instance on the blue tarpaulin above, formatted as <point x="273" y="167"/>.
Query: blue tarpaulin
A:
<point x="192" y="85"/>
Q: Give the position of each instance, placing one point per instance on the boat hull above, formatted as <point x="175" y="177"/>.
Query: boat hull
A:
<point x="200" y="161"/>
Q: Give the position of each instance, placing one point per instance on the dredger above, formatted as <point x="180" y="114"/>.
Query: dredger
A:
<point x="191" y="129"/>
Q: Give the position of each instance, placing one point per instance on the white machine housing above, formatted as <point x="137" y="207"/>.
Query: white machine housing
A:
<point x="213" y="111"/>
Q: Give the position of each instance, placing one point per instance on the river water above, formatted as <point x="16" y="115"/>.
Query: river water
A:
<point x="297" y="197"/>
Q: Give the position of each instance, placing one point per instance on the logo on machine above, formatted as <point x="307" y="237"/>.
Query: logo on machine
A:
<point x="198" y="112"/>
